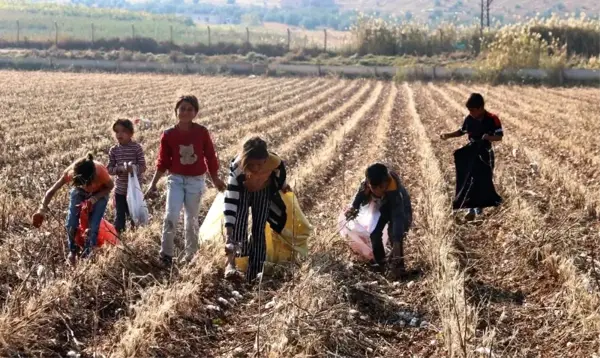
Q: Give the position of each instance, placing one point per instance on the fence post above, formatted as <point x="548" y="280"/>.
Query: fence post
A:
<point x="132" y="31"/>
<point x="289" y="42"/>
<point x="247" y="36"/>
<point x="18" y="32"/>
<point x="325" y="43"/>
<point x="93" y="35"/>
<point x="171" y="31"/>
<point x="209" y="42"/>
<point x="55" y="34"/>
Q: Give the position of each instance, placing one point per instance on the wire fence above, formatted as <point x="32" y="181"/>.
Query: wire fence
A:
<point x="28" y="31"/>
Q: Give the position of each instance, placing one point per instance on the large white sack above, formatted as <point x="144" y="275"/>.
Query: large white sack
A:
<point x="358" y="231"/>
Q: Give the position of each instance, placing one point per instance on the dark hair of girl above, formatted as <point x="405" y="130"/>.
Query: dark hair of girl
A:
<point x="126" y="123"/>
<point x="84" y="170"/>
<point x="253" y="148"/>
<point x="191" y="99"/>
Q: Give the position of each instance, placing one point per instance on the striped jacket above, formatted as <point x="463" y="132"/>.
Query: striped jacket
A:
<point x="277" y="212"/>
<point x="118" y="156"/>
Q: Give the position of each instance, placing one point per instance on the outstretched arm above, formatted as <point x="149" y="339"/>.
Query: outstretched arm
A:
<point x="454" y="134"/>
<point x="51" y="192"/>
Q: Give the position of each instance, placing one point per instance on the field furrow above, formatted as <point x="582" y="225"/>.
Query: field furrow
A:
<point x="457" y="316"/>
<point x="330" y="158"/>
<point x="183" y="293"/>
<point x="129" y="107"/>
<point x="522" y="280"/>
<point x="513" y="265"/>
<point x="546" y="106"/>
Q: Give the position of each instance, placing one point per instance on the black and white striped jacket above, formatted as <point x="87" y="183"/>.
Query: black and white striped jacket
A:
<point x="277" y="211"/>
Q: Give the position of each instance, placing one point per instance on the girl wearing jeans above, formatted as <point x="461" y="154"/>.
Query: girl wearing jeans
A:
<point x="92" y="183"/>
<point x="255" y="179"/>
<point x="187" y="153"/>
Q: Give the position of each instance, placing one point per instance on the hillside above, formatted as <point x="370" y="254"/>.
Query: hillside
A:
<point x="423" y="9"/>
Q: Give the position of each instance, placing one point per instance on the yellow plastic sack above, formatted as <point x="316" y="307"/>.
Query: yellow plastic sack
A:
<point x="293" y="240"/>
<point x="291" y="243"/>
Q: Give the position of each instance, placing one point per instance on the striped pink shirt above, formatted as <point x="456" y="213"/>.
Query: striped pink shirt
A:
<point x="121" y="154"/>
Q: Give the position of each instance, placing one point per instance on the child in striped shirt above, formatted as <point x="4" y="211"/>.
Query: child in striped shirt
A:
<point x="123" y="158"/>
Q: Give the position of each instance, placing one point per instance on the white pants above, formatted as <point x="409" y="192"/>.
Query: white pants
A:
<point x="183" y="192"/>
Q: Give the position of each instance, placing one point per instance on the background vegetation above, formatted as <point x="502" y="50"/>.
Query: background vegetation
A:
<point x="538" y="42"/>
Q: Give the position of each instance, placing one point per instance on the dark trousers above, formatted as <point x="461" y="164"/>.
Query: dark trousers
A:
<point x="122" y="213"/>
<point x="377" y="236"/>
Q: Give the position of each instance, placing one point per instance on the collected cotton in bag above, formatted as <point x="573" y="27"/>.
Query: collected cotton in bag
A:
<point x="135" y="201"/>
<point x="358" y="231"/>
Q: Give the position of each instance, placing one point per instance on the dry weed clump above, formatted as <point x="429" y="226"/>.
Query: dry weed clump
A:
<point x="152" y="316"/>
<point x="336" y="307"/>
<point x="517" y="46"/>
<point x="55" y="314"/>
<point x="311" y="316"/>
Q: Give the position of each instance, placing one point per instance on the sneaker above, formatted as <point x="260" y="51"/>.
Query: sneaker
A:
<point x="378" y="267"/>
<point x="167" y="261"/>
<point x="230" y="270"/>
<point x="87" y="254"/>
<point x="399" y="272"/>
<point x="470" y="216"/>
<point x="72" y="259"/>
<point x="188" y="260"/>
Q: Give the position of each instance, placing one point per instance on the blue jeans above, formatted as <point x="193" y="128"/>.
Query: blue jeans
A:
<point x="184" y="192"/>
<point x="78" y="196"/>
<point x="476" y="211"/>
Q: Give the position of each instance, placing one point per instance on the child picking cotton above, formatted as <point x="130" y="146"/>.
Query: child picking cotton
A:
<point x="91" y="184"/>
<point x="385" y="188"/>
<point x="256" y="177"/>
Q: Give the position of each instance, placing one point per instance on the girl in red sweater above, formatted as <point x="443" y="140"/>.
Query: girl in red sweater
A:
<point x="187" y="153"/>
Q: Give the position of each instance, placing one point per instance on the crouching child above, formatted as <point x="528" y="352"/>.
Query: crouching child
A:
<point x="385" y="188"/>
<point x="91" y="183"/>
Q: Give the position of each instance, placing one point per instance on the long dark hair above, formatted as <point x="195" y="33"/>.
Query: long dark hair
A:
<point x="84" y="170"/>
<point x="253" y="148"/>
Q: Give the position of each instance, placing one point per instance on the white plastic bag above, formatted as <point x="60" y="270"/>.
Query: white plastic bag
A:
<point x="358" y="231"/>
<point x="135" y="201"/>
<point x="212" y="226"/>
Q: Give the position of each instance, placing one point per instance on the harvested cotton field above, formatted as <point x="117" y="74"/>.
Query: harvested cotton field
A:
<point x="521" y="282"/>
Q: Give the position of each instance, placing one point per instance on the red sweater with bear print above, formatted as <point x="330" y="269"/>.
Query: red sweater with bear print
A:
<point x="189" y="153"/>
